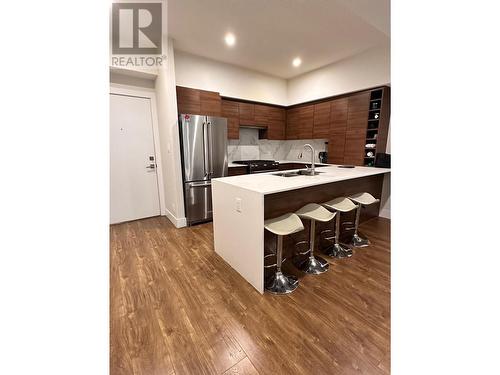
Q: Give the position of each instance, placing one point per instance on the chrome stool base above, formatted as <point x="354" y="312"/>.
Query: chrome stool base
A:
<point x="338" y="251"/>
<point x="313" y="265"/>
<point x="281" y="284"/>
<point x="357" y="241"/>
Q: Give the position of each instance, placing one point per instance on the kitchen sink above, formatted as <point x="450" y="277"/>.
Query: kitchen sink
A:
<point x="286" y="174"/>
<point x="301" y="172"/>
<point x="307" y="172"/>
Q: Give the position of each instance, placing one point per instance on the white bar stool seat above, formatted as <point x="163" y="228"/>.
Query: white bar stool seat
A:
<point x="282" y="225"/>
<point x="341" y="204"/>
<point x="313" y="212"/>
<point x="362" y="199"/>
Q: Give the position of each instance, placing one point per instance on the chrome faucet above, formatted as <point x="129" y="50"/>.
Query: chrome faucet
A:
<point x="313" y="153"/>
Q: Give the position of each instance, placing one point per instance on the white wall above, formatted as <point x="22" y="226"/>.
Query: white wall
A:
<point x="367" y="69"/>
<point x="229" y="80"/>
<point x="169" y="138"/>
<point x="122" y="79"/>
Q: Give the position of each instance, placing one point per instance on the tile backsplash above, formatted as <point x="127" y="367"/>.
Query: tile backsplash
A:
<point x="249" y="147"/>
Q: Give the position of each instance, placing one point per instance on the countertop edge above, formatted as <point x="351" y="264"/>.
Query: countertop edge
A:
<point x="227" y="180"/>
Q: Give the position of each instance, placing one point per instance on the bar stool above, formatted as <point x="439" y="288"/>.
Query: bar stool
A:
<point x="362" y="199"/>
<point x="283" y="225"/>
<point x="338" y="205"/>
<point x="313" y="212"/>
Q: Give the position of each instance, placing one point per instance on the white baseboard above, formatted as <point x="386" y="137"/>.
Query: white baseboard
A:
<point x="178" y="222"/>
<point x="385" y="212"/>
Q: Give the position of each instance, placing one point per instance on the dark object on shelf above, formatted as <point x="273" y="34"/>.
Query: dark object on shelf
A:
<point x="323" y="157"/>
<point x="346" y="166"/>
<point x="372" y="125"/>
<point x="376" y="104"/>
<point x="383" y="160"/>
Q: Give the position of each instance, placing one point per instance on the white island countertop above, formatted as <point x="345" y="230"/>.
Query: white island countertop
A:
<point x="269" y="183"/>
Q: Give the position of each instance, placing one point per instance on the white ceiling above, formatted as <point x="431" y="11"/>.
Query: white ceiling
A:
<point x="270" y="33"/>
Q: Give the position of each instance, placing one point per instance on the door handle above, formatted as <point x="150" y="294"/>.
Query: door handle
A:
<point x="205" y="150"/>
<point x="203" y="185"/>
<point x="151" y="166"/>
<point x="210" y="151"/>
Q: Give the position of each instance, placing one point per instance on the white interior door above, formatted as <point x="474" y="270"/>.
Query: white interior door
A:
<point x="134" y="182"/>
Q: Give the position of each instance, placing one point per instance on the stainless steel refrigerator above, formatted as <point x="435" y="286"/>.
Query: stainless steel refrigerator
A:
<point x="204" y="156"/>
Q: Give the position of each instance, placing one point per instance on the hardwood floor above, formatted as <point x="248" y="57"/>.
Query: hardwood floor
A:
<point x="178" y="308"/>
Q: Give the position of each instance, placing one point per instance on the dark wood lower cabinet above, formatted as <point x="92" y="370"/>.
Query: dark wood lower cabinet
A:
<point x="237" y="171"/>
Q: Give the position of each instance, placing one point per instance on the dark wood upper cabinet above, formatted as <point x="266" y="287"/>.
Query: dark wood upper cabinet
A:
<point x="354" y="147"/>
<point x="349" y="122"/>
<point x="198" y="102"/>
<point x="357" y="122"/>
<point x="299" y="122"/>
<point x="270" y="119"/>
<point x="210" y="103"/>
<point x="261" y="114"/>
<point x="292" y="123"/>
<point x="230" y="110"/>
<point x="306" y="119"/>
<point x="336" y="147"/>
<point x="321" y="121"/>
<point x="276" y="123"/>
<point x="247" y="113"/>
<point x="338" y="117"/>
<point x="188" y="100"/>
<point x="338" y="128"/>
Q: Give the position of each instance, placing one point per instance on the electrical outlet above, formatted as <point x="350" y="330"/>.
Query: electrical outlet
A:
<point x="238" y="204"/>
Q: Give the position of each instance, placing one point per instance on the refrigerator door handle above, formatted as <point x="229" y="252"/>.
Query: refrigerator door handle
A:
<point x="210" y="150"/>
<point x="198" y="185"/>
<point x="205" y="149"/>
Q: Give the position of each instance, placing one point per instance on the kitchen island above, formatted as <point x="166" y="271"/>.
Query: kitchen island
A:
<point x="242" y="203"/>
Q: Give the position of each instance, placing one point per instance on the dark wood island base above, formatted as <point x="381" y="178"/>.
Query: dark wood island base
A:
<point x="289" y="201"/>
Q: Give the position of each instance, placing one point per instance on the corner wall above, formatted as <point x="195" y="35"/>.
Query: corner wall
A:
<point x="229" y="80"/>
<point x="169" y="138"/>
<point x="364" y="70"/>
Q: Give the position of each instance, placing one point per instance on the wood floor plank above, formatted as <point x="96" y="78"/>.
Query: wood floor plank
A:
<point x="177" y="307"/>
<point x="244" y="367"/>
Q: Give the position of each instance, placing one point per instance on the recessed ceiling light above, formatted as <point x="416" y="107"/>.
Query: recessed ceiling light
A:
<point x="230" y="39"/>
<point x="296" y="61"/>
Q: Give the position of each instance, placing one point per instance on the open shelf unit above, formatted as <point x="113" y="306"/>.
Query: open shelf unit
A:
<point x="372" y="130"/>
